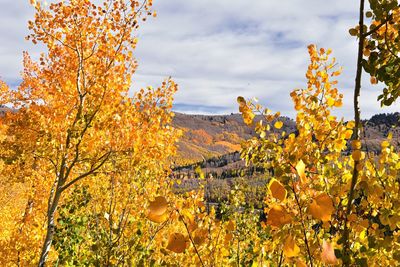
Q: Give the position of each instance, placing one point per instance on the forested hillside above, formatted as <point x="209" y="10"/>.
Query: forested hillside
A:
<point x="206" y="136"/>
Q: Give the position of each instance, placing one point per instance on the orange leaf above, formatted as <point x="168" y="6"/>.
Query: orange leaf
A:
<point x="300" y="263"/>
<point x="158" y="206"/>
<point x="230" y="226"/>
<point x="356" y="155"/>
<point x="277" y="190"/>
<point x="356" y="144"/>
<point x="157" y="218"/>
<point x="156" y="212"/>
<point x="228" y="238"/>
<point x="277" y="216"/>
<point x="177" y="243"/>
<point x="200" y="236"/>
<point x="290" y="249"/>
<point x="321" y="207"/>
<point x="328" y="253"/>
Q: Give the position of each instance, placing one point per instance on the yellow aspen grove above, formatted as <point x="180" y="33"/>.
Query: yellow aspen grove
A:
<point x="85" y="164"/>
<point x="73" y="119"/>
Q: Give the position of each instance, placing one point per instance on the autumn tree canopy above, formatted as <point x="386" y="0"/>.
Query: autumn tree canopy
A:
<point x="75" y="120"/>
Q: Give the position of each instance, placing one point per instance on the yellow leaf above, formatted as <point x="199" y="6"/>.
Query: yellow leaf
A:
<point x="224" y="252"/>
<point x="199" y="172"/>
<point x="328" y="253"/>
<point x="277" y="216"/>
<point x="248" y="117"/>
<point x="300" y="167"/>
<point x="350" y="125"/>
<point x="330" y="101"/>
<point x="348" y="134"/>
<point x="321" y="207"/>
<point x="158" y="206"/>
<point x="290" y="249"/>
<point x="247" y="113"/>
<point x="277" y="190"/>
<point x="385" y="144"/>
<point x="363" y="234"/>
<point x="278" y="124"/>
<point x="337" y="73"/>
<point x="188" y="215"/>
<point x="177" y="243"/>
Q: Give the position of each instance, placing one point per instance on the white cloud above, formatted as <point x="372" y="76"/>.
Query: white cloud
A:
<point x="14" y="16"/>
<point x="217" y="50"/>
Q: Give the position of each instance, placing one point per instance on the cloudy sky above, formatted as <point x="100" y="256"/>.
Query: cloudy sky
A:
<point x="219" y="49"/>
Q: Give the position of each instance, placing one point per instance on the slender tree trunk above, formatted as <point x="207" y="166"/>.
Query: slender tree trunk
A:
<point x="356" y="136"/>
<point x="50" y="227"/>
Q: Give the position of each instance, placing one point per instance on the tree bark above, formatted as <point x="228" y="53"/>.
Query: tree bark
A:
<point x="50" y="228"/>
<point x="356" y="136"/>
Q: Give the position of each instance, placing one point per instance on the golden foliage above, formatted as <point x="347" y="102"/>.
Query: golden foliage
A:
<point x="84" y="166"/>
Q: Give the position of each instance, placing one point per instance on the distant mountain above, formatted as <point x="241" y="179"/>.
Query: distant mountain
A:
<point x="212" y="136"/>
<point x="378" y="127"/>
<point x="210" y="144"/>
<point x="207" y="136"/>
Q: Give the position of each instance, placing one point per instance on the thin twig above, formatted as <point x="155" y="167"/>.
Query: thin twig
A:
<point x="190" y="237"/>
<point x="302" y="224"/>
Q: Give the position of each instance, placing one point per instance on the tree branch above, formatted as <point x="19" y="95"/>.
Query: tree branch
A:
<point x="372" y="31"/>
<point x="356" y="136"/>
<point x="92" y="170"/>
